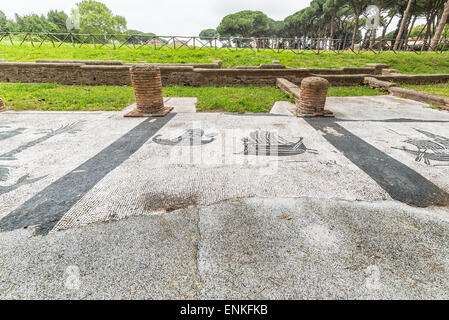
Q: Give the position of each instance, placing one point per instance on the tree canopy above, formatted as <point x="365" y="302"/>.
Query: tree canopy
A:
<point x="93" y="16"/>
<point x="346" y="20"/>
<point x="331" y="19"/>
<point x="96" y="17"/>
<point x="245" y="24"/>
<point x="209" y="33"/>
<point x="3" y="20"/>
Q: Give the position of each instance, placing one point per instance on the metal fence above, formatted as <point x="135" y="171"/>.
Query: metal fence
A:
<point x="296" y="45"/>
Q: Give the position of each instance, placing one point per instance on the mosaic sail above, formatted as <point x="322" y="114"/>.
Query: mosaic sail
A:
<point x="266" y="143"/>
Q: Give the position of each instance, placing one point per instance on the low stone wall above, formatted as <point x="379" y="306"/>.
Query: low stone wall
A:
<point x="378" y="84"/>
<point x="88" y="62"/>
<point x="425" y="97"/>
<point x="214" y="65"/>
<point x="84" y="74"/>
<point x="289" y="88"/>
<point x="79" y="72"/>
<point x="415" y="79"/>
<point x="416" y="95"/>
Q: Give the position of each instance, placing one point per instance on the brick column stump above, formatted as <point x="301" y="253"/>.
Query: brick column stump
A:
<point x="2" y="105"/>
<point x="147" y="86"/>
<point x="313" y="98"/>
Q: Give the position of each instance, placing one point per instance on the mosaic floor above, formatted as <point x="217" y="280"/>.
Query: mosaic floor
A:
<point x="380" y="165"/>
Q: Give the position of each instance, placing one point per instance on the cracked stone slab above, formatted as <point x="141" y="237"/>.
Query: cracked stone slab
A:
<point x="179" y="105"/>
<point x="321" y="249"/>
<point x="380" y="108"/>
<point x="141" y="258"/>
<point x="257" y="248"/>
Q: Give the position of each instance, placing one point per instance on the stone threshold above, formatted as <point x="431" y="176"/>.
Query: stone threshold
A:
<point x="441" y="102"/>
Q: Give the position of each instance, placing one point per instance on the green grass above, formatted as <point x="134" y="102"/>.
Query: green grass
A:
<point x="405" y="62"/>
<point x="241" y="100"/>
<point x="56" y="97"/>
<point x="441" y="89"/>
<point x="354" y="92"/>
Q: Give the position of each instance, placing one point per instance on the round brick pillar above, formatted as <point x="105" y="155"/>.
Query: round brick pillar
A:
<point x="2" y="105"/>
<point x="147" y="86"/>
<point x="313" y="97"/>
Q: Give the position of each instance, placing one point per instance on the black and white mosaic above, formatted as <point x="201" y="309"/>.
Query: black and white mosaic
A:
<point x="191" y="137"/>
<point x="434" y="148"/>
<point x="5" y="171"/>
<point x="269" y="143"/>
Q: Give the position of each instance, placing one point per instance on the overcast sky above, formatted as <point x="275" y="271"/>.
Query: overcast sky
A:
<point x="165" y="17"/>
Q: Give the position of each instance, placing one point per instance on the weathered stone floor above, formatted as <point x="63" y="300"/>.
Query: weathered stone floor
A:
<point x="178" y="207"/>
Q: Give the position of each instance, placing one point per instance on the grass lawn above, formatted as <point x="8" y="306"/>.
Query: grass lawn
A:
<point x="405" y="62"/>
<point x="441" y="89"/>
<point x="241" y="100"/>
<point x="112" y="98"/>
<point x="49" y="96"/>
<point x="354" y="92"/>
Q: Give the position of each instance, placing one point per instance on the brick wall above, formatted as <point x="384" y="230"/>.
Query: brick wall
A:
<point x="77" y="72"/>
<point x="80" y="72"/>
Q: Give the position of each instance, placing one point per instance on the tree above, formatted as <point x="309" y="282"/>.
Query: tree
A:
<point x="3" y="21"/>
<point x="97" y="18"/>
<point x="293" y="25"/>
<point x="330" y="8"/>
<point x="302" y="23"/>
<point x="276" y="28"/>
<point x="245" y="24"/>
<point x="59" y="18"/>
<point x="386" y="21"/>
<point x="357" y="7"/>
<point x="440" y="28"/>
<point x="34" y="23"/>
<point x="208" y="33"/>
<point x="403" y="23"/>
<point x="139" y="37"/>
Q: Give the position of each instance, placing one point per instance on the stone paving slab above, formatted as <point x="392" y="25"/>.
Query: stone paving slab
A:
<point x="182" y="105"/>
<point x="150" y="258"/>
<point x="322" y="249"/>
<point x="379" y="108"/>
<point x="258" y="248"/>
<point x="283" y="108"/>
<point x="186" y="206"/>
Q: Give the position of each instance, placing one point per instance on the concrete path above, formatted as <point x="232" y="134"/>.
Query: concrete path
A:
<point x="213" y="205"/>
